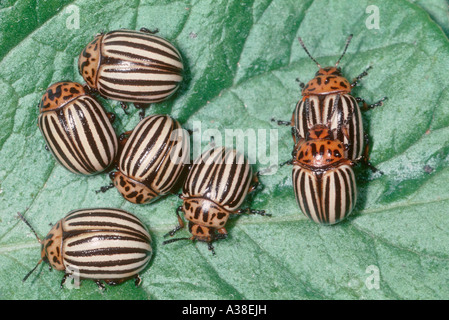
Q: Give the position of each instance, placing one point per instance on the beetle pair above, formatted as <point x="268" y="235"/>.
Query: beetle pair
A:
<point x="125" y="65"/>
<point x="329" y="139"/>
<point x="152" y="161"/>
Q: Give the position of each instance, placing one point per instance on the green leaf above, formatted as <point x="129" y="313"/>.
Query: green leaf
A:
<point x="242" y="59"/>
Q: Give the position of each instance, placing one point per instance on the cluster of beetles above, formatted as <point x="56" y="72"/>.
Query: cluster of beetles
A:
<point x="110" y="245"/>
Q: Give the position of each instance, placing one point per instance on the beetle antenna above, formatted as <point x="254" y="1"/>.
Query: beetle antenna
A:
<point x="32" y="270"/>
<point x="308" y="53"/>
<point x="29" y="225"/>
<point x="344" y="51"/>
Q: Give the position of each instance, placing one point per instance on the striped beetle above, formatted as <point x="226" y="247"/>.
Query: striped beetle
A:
<point x="325" y="99"/>
<point x="76" y="129"/>
<point x="131" y="66"/>
<point x="152" y="159"/>
<point x="216" y="186"/>
<point x="102" y="244"/>
<point x="323" y="179"/>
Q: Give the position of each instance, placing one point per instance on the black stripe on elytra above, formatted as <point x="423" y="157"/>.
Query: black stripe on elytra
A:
<point x="347" y="189"/>
<point x="107" y="236"/>
<point x="104" y="264"/>
<point x="112" y="68"/>
<point x="135" y="35"/>
<point x="144" y="60"/>
<point x="316" y="198"/>
<point x="338" y="194"/>
<point x="106" y="251"/>
<point x="137" y="82"/>
<point x="326" y="198"/>
<point x="89" y="107"/>
<point x="136" y="45"/>
<point x="102" y="126"/>
<point x="302" y="193"/>
<point x="103" y="213"/>
<point x="55" y="129"/>
<point x="70" y="121"/>
<point x="156" y="141"/>
<point x="138" y="96"/>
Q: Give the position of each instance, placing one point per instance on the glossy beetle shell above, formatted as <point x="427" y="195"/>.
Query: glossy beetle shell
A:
<point x="216" y="186"/>
<point x="152" y="159"/>
<point x="105" y="244"/>
<point x="132" y="66"/>
<point x="326" y="100"/>
<point x="323" y="179"/>
<point x="334" y="111"/>
<point x="76" y="129"/>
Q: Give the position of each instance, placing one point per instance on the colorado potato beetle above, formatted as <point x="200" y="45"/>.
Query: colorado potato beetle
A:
<point x="216" y="186"/>
<point x="131" y="66"/>
<point x="101" y="244"/>
<point x="323" y="180"/>
<point x="151" y="160"/>
<point x="76" y="129"/>
<point x="327" y="98"/>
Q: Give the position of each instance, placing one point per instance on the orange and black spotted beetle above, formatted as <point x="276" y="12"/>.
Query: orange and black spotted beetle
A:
<point x="327" y="99"/>
<point x="323" y="179"/>
<point x="131" y="66"/>
<point x="101" y="244"/>
<point x="217" y="184"/>
<point x="76" y="128"/>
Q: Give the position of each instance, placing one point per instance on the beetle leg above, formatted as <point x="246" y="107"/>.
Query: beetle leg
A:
<point x="301" y="84"/>
<point x="255" y="182"/>
<point x="281" y="122"/>
<point x="211" y="247"/>
<point x="111" y="116"/>
<point x="222" y="233"/>
<point x="137" y="280"/>
<point x="146" y="30"/>
<point x="295" y="134"/>
<point x="100" y="284"/>
<point x="88" y="89"/>
<point x="143" y="107"/>
<point x="289" y="162"/>
<point x="124" y="107"/>
<point x="359" y="77"/>
<point x="252" y="211"/>
<point x="124" y="137"/>
<point x="103" y="189"/>
<point x="179" y="226"/>
<point x="371" y="106"/>
<point x="365" y="158"/>
<point x="64" y="278"/>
